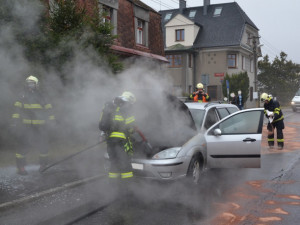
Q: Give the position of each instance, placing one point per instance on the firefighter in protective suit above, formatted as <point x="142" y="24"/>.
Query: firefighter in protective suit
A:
<point x="199" y="95"/>
<point x="31" y="116"/>
<point x="119" y="146"/>
<point x="275" y="116"/>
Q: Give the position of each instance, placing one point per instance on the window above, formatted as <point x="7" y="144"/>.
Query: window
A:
<point x="179" y="35"/>
<point x="248" y="38"/>
<point x="107" y="14"/>
<point x="139" y="31"/>
<point x="251" y="66"/>
<point x="192" y="13"/>
<point x="243" y="123"/>
<point x="174" y="60"/>
<point x="251" y="94"/>
<point x="211" y="118"/>
<point x="218" y="11"/>
<point x="231" y="60"/>
<point x="168" y="16"/>
<point x="222" y="112"/>
<point x="243" y="62"/>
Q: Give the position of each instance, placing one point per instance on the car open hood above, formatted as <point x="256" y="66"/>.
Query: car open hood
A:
<point x="164" y="120"/>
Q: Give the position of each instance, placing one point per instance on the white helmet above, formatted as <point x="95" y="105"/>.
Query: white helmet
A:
<point x="32" y="79"/>
<point x="32" y="82"/>
<point x="128" y="97"/>
<point x="264" y="96"/>
<point x="199" y="86"/>
<point x="232" y="95"/>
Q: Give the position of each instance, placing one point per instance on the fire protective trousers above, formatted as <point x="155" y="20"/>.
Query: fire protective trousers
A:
<point x="279" y="126"/>
<point x="120" y="161"/>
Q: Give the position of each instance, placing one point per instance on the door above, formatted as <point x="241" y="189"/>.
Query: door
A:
<point x="235" y="141"/>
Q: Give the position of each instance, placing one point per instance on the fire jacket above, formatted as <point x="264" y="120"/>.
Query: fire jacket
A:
<point x="31" y="109"/>
<point x="200" y="97"/>
<point x="273" y="106"/>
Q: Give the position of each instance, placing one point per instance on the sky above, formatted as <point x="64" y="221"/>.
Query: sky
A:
<point x="278" y="22"/>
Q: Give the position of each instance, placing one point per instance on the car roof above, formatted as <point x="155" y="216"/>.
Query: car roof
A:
<point x="208" y="105"/>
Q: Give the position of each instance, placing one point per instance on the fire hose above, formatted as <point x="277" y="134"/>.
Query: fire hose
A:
<point x="148" y="150"/>
<point x="71" y="156"/>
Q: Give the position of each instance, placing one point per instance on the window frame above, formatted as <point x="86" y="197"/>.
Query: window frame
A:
<point x="140" y="32"/>
<point x="173" y="59"/>
<point x="181" y="35"/>
<point x="218" y="11"/>
<point x="230" y="59"/>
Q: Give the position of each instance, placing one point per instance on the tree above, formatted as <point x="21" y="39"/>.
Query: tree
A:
<point x="281" y="78"/>
<point x="237" y="82"/>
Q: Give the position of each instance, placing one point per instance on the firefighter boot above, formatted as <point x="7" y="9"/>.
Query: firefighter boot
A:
<point x="21" y="162"/>
<point x="43" y="163"/>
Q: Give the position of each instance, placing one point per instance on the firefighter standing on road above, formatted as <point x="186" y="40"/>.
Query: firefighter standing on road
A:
<point x="118" y="133"/>
<point x="275" y="117"/>
<point x="31" y="116"/>
<point x="199" y="95"/>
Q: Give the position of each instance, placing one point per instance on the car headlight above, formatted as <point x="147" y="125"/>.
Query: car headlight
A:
<point x="293" y="103"/>
<point x="169" y="153"/>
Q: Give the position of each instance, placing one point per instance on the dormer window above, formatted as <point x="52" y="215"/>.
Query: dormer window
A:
<point x="192" y="13"/>
<point x="168" y="16"/>
<point x="218" y="11"/>
<point x="179" y="35"/>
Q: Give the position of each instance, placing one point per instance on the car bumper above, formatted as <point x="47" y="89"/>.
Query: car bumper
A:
<point x="166" y="169"/>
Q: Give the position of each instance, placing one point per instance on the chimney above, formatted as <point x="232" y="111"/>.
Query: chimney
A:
<point x="182" y="5"/>
<point x="206" y="3"/>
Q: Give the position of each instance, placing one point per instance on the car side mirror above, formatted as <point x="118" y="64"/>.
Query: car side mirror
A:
<point x="217" y="132"/>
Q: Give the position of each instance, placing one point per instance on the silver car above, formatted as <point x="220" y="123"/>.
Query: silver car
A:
<point x="232" y="142"/>
<point x="224" y="138"/>
<point x="295" y="103"/>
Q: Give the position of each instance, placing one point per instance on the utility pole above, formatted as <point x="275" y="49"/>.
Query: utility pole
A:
<point x="254" y="42"/>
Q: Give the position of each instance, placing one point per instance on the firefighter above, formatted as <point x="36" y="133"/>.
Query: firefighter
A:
<point x="30" y="117"/>
<point x="275" y="116"/>
<point x="119" y="145"/>
<point x="199" y="95"/>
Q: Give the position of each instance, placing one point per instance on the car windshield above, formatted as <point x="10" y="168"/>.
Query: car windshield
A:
<point x="198" y="115"/>
<point x="297" y="93"/>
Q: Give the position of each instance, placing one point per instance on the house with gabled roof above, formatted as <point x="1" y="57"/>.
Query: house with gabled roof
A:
<point x="204" y="43"/>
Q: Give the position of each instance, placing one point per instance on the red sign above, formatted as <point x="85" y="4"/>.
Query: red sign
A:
<point x="219" y="74"/>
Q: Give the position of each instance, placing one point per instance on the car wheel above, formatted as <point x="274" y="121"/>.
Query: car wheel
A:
<point x="195" y="169"/>
<point x="294" y="109"/>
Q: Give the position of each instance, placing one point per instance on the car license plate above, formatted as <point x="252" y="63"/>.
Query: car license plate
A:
<point x="137" y="166"/>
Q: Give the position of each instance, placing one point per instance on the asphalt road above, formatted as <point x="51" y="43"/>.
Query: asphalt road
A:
<point x="269" y="195"/>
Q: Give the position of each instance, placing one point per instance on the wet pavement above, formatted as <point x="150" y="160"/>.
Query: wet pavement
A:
<point x="14" y="186"/>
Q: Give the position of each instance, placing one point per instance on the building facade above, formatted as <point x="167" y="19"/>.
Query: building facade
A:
<point x="205" y="43"/>
<point x="137" y="26"/>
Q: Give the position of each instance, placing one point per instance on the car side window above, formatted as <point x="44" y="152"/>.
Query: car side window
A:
<point x="232" y="109"/>
<point x="211" y="118"/>
<point x="222" y="112"/>
<point x="243" y="123"/>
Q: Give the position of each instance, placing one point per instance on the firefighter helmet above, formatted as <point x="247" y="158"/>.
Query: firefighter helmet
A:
<point x="264" y="96"/>
<point x="32" y="79"/>
<point x="32" y="82"/>
<point x="199" y="86"/>
<point x="128" y="97"/>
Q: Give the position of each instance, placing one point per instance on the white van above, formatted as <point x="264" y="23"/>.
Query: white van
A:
<point x="295" y="103"/>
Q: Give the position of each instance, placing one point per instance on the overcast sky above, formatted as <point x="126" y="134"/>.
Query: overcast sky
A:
<point x="278" y="22"/>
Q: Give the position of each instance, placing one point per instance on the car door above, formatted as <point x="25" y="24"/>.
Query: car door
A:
<point x="235" y="141"/>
